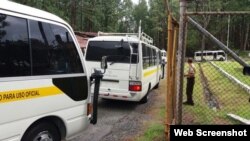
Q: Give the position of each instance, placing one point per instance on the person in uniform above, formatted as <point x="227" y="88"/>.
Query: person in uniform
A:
<point x="190" y="82"/>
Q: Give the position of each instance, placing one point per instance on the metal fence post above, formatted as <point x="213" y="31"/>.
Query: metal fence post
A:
<point x="169" y="108"/>
<point x="175" y="45"/>
<point x="181" y="59"/>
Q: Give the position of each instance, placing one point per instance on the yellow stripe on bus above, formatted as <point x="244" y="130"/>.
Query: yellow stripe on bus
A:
<point x="17" y="95"/>
<point x="148" y="73"/>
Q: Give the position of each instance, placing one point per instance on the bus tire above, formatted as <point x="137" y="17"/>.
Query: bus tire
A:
<point x="146" y="97"/>
<point x="42" y="131"/>
<point x="157" y="85"/>
<point x="221" y="59"/>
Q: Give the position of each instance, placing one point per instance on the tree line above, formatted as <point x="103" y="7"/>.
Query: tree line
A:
<point x="124" y="16"/>
<point x="231" y="30"/>
<point x="108" y="15"/>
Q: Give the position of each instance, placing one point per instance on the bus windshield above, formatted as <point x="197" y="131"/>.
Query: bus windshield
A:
<point x="221" y="53"/>
<point x="117" y="51"/>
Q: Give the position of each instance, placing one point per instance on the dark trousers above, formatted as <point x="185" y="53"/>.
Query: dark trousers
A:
<point x="189" y="89"/>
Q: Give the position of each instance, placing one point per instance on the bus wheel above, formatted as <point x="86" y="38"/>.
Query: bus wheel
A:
<point x="146" y="97"/>
<point x="42" y="132"/>
<point x="221" y="59"/>
<point x="157" y="85"/>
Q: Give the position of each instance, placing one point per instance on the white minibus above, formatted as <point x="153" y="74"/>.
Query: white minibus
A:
<point x="44" y="91"/>
<point x="134" y="65"/>
<point x="164" y="55"/>
<point x="210" y="55"/>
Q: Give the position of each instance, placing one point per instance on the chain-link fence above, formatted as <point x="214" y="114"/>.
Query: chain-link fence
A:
<point x="221" y="91"/>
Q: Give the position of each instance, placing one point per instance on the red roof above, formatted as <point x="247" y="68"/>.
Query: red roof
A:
<point x="82" y="41"/>
<point x="83" y="37"/>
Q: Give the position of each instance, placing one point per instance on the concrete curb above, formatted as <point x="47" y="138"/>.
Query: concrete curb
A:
<point x="235" y="80"/>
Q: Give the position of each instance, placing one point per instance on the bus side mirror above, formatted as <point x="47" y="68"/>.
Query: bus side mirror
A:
<point x="104" y="63"/>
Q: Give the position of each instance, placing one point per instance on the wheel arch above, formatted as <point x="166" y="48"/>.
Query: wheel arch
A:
<point x="55" y="120"/>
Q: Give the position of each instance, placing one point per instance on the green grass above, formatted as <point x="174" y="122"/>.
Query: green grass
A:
<point x="154" y="131"/>
<point x="242" y="54"/>
<point x="231" y="98"/>
<point x="234" y="69"/>
<point x="162" y="112"/>
<point x="197" y="114"/>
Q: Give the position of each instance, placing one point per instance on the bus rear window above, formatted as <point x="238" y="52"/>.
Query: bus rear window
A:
<point x="115" y="50"/>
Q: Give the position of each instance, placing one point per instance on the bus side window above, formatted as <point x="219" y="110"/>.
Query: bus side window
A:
<point x="14" y="47"/>
<point x="53" y="50"/>
<point x="144" y="56"/>
<point x="209" y="54"/>
<point x="149" y="52"/>
<point x="154" y="56"/>
<point x="159" y="57"/>
<point x="68" y="46"/>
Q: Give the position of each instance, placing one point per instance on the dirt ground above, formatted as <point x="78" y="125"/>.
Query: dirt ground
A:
<point x="154" y="110"/>
<point x="126" y="121"/>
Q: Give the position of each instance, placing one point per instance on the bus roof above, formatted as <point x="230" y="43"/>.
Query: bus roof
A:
<point x="114" y="38"/>
<point x="29" y="11"/>
<point x="119" y="38"/>
<point x="206" y="51"/>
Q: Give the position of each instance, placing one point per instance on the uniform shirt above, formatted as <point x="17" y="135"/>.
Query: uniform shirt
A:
<point x="191" y="71"/>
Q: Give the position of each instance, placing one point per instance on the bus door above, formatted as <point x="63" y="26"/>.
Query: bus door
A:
<point x="135" y="68"/>
<point x="215" y="56"/>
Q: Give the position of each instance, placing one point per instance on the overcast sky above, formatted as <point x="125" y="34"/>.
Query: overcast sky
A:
<point x="135" y="1"/>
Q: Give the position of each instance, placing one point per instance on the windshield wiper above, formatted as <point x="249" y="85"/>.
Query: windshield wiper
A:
<point x="120" y="59"/>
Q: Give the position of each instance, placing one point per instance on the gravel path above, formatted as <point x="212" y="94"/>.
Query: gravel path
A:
<point x="118" y="120"/>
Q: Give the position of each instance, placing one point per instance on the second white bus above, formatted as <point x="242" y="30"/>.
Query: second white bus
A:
<point x="134" y="66"/>
<point x="164" y="56"/>
<point x="210" y="55"/>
